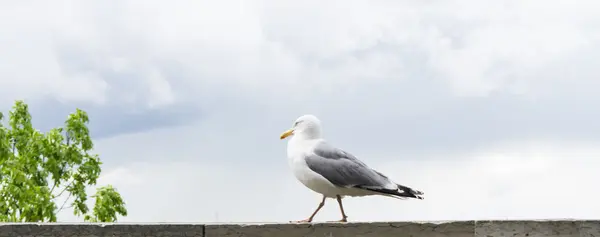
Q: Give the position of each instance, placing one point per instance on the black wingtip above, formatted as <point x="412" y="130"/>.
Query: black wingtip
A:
<point x="409" y="192"/>
<point x="402" y="192"/>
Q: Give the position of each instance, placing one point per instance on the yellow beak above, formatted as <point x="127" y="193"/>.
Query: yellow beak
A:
<point x="287" y="134"/>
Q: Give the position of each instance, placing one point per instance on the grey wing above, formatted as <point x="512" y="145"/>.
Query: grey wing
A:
<point x="343" y="169"/>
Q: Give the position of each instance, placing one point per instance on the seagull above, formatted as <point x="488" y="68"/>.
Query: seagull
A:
<point x="333" y="172"/>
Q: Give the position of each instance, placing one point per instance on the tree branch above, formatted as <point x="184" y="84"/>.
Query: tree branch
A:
<point x="64" y="189"/>
<point x="63" y="205"/>
<point x="53" y="186"/>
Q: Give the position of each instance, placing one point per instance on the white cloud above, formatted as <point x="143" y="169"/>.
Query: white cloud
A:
<point x="254" y="46"/>
<point x="509" y="75"/>
<point x="483" y="47"/>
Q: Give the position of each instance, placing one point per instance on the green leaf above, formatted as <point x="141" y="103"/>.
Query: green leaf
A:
<point x="37" y="169"/>
<point x="108" y="204"/>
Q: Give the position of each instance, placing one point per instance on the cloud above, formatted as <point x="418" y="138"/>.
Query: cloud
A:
<point x="489" y="104"/>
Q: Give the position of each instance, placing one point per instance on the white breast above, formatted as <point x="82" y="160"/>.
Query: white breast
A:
<point x="296" y="151"/>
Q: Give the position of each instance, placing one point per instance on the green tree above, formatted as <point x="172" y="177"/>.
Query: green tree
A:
<point x="40" y="170"/>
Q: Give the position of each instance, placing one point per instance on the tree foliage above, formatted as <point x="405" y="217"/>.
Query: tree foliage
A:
<point x="42" y="174"/>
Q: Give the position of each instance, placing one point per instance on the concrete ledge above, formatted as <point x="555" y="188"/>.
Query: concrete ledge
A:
<point x="562" y="228"/>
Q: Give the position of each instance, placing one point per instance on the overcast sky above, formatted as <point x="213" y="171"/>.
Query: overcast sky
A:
<point x="489" y="107"/>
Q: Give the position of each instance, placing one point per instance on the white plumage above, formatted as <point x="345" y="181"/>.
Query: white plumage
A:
<point x="333" y="172"/>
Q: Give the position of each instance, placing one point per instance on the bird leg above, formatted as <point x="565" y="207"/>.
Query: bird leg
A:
<point x="314" y="213"/>
<point x="344" y="217"/>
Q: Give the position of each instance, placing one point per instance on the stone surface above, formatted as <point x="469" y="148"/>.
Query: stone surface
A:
<point x="379" y="229"/>
<point x="536" y="228"/>
<point x="589" y="228"/>
<point x="515" y="228"/>
<point x="76" y="230"/>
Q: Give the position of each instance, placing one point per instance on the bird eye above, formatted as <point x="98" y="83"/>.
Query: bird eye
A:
<point x="296" y="124"/>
